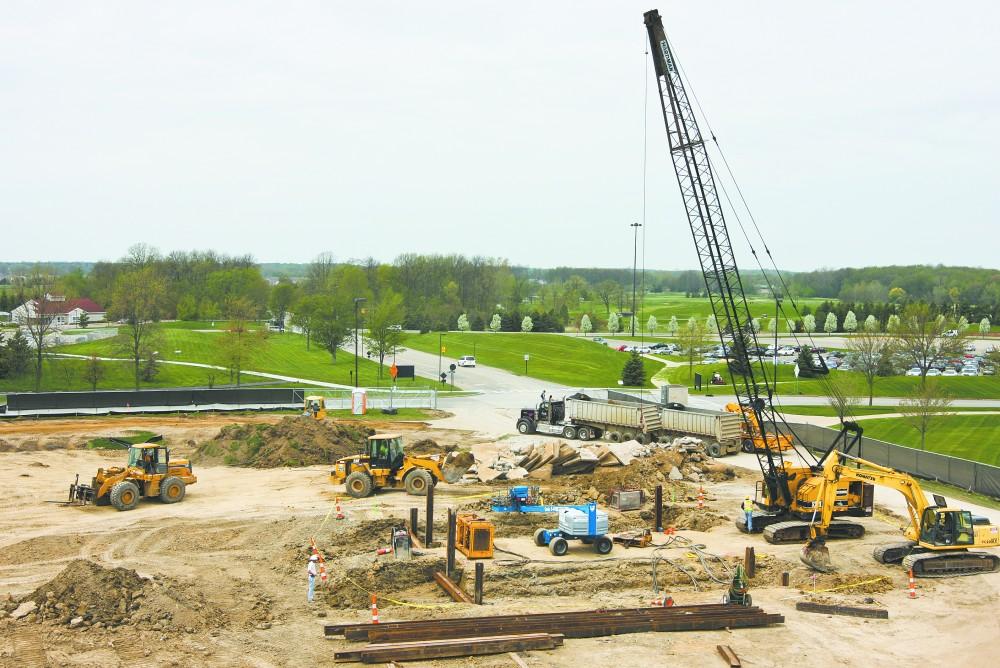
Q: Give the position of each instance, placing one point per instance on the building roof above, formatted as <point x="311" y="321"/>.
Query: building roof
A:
<point x="56" y="308"/>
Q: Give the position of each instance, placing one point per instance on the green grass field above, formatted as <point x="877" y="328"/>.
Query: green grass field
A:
<point x="668" y="304"/>
<point x="283" y="354"/>
<point x="827" y="411"/>
<point x="968" y="436"/>
<point x="561" y="359"/>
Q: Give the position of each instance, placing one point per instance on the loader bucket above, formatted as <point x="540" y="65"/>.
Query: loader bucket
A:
<point x="455" y="465"/>
<point x="816" y="555"/>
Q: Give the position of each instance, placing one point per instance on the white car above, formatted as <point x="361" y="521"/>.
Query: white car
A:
<point x="913" y="372"/>
<point x="968" y="371"/>
<point x="933" y="372"/>
<point x="949" y="372"/>
<point x="467" y="360"/>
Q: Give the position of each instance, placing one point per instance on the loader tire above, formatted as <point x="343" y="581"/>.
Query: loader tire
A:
<point x="125" y="495"/>
<point x="418" y="481"/>
<point x="359" y="485"/>
<point x="172" y="490"/>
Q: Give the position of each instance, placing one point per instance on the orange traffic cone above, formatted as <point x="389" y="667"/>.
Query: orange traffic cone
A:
<point x="701" y="498"/>
<point x="340" y="513"/>
<point x="913" y="586"/>
<point x="374" y="610"/>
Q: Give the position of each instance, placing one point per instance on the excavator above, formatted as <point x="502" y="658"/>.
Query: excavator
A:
<point x="787" y="494"/>
<point x="941" y="541"/>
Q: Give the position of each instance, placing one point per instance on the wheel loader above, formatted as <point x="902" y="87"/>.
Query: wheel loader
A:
<point x="384" y="465"/>
<point x="149" y="472"/>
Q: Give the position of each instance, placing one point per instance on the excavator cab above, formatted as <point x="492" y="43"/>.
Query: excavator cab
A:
<point x="945" y="527"/>
<point x="386" y="451"/>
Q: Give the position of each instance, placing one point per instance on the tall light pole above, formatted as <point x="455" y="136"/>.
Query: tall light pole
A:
<point x="635" y="239"/>
<point x="357" y="300"/>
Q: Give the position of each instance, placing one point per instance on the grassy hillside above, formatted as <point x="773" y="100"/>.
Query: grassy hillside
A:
<point x="968" y="436"/>
<point x="561" y="359"/>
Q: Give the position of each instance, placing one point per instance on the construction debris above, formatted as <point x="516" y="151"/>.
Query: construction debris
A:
<point x="440" y="649"/>
<point x="728" y="655"/>
<point x="847" y="610"/>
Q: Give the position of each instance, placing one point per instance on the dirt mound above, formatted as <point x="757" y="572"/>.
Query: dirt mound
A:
<point x="349" y="588"/>
<point x="357" y="538"/>
<point x="428" y="446"/>
<point x="294" y="441"/>
<point x="86" y="594"/>
<point x="691" y="519"/>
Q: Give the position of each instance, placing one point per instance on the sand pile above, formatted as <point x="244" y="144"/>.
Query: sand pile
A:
<point x="86" y="594"/>
<point x="294" y="441"/>
<point x="389" y="578"/>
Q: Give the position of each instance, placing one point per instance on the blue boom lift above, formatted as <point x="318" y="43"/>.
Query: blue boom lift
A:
<point x="584" y="522"/>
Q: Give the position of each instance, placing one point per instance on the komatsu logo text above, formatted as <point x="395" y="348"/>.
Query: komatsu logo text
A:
<point x="666" y="55"/>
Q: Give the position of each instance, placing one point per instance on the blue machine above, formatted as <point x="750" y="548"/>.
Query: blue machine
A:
<point x="584" y="523"/>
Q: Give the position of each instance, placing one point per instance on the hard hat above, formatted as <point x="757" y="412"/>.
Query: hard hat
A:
<point x="314" y="558"/>
<point x="747" y="496"/>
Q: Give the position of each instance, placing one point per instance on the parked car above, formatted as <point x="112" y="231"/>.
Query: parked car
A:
<point x="621" y="348"/>
<point x="949" y="372"/>
<point x="913" y="372"/>
<point x="598" y="339"/>
<point x="970" y="348"/>
<point x="467" y="360"/>
<point x="933" y="372"/>
<point x="844" y="367"/>
<point x="970" y="372"/>
<point x="989" y="370"/>
<point x="951" y="332"/>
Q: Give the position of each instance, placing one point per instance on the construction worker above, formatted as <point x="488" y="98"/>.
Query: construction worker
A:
<point x="748" y="512"/>
<point x="312" y="571"/>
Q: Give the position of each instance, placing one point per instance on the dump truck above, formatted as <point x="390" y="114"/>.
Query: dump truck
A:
<point x="585" y="418"/>
<point x="148" y="472"/>
<point x="384" y="465"/>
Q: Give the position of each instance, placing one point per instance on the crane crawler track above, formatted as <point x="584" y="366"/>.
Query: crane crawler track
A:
<point x="796" y="532"/>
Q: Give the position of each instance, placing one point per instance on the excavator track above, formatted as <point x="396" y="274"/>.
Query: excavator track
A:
<point x="760" y="521"/>
<point x="951" y="564"/>
<point x="796" y="532"/>
<point x="893" y="553"/>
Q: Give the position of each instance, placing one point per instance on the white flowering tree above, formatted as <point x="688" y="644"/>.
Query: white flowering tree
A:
<point x="850" y="322"/>
<point x="495" y="323"/>
<point x="585" y="325"/>
<point x="652" y="324"/>
<point x="871" y="324"/>
<point x="463" y="323"/>
<point x="984" y="326"/>
<point x="790" y="324"/>
<point x="710" y="327"/>
<point x="963" y="324"/>
<point x="892" y="324"/>
<point x="830" y="326"/>
<point x="613" y="324"/>
<point x="809" y="323"/>
<point x="526" y="324"/>
<point x="755" y="323"/>
<point x="673" y="327"/>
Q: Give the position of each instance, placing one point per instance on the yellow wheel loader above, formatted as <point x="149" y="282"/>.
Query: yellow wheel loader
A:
<point x="149" y="472"/>
<point x="384" y="465"/>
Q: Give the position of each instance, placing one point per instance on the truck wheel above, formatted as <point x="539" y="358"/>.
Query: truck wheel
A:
<point x="540" y="537"/>
<point x="558" y="546"/>
<point x="642" y="439"/>
<point x="569" y="432"/>
<point x="172" y="490"/>
<point x="525" y="427"/>
<point x="747" y="445"/>
<point x="125" y="495"/>
<point x="359" y="485"/>
<point x="584" y="434"/>
<point x="614" y="436"/>
<point x="418" y="481"/>
<point x="714" y="450"/>
<point x="628" y="436"/>
<point x="603" y="545"/>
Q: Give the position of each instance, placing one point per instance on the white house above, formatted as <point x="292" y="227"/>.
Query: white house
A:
<point x="64" y="312"/>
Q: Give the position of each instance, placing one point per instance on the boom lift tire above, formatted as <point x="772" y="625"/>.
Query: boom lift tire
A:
<point x="558" y="546"/>
<point x="172" y="490"/>
<point x="540" y="537"/>
<point x="125" y="495"/>
<point x="359" y="484"/>
<point x="603" y="545"/>
<point x="417" y="482"/>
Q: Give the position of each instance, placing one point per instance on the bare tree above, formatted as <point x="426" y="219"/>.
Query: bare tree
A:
<point x="319" y="273"/>
<point x="868" y="352"/>
<point x="93" y="371"/>
<point x="692" y="337"/>
<point x="922" y="409"/>
<point x="39" y="320"/>
<point x="919" y="338"/>
<point x="240" y="341"/>
<point x="137" y="301"/>
<point x="384" y="326"/>
<point x="140" y="256"/>
<point x="842" y="397"/>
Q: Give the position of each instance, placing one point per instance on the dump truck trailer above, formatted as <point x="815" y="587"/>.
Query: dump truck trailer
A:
<point x="613" y="420"/>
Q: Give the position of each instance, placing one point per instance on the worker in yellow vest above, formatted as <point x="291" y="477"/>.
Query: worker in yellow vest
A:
<point x="748" y="512"/>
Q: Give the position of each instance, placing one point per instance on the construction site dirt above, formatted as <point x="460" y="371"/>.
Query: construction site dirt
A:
<point x="220" y="579"/>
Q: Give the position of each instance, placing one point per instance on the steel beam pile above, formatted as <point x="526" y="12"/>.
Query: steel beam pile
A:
<point x="582" y="624"/>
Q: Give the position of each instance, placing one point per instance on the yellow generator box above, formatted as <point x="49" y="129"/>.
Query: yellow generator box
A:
<point x="474" y="536"/>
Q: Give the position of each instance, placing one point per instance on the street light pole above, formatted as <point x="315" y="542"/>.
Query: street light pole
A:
<point x="357" y="300"/>
<point x="635" y="239"/>
<point x="440" y="350"/>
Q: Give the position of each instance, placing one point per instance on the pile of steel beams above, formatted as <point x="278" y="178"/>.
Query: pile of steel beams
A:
<point x="581" y="624"/>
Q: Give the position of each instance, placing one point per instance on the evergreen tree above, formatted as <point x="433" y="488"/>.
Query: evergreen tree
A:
<point x="633" y="373"/>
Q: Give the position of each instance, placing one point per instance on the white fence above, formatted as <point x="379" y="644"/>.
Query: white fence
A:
<point x="377" y="398"/>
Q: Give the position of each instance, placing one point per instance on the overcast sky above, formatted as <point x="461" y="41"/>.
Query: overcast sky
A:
<point x="861" y="132"/>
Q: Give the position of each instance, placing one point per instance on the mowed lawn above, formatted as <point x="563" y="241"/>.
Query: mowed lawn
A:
<point x="828" y="411"/>
<point x="568" y="360"/>
<point x="975" y="437"/>
<point x="283" y="354"/>
<point x="66" y="375"/>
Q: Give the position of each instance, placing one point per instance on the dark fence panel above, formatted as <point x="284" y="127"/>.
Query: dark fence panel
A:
<point x="970" y="475"/>
<point x="33" y="401"/>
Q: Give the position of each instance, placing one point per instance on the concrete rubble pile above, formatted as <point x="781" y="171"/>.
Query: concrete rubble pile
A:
<point x="541" y="461"/>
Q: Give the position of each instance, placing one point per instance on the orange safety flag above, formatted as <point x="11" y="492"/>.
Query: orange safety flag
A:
<point x="394" y="371"/>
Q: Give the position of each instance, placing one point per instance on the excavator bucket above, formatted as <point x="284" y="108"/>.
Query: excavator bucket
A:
<point x="816" y="555"/>
<point x="455" y="465"/>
